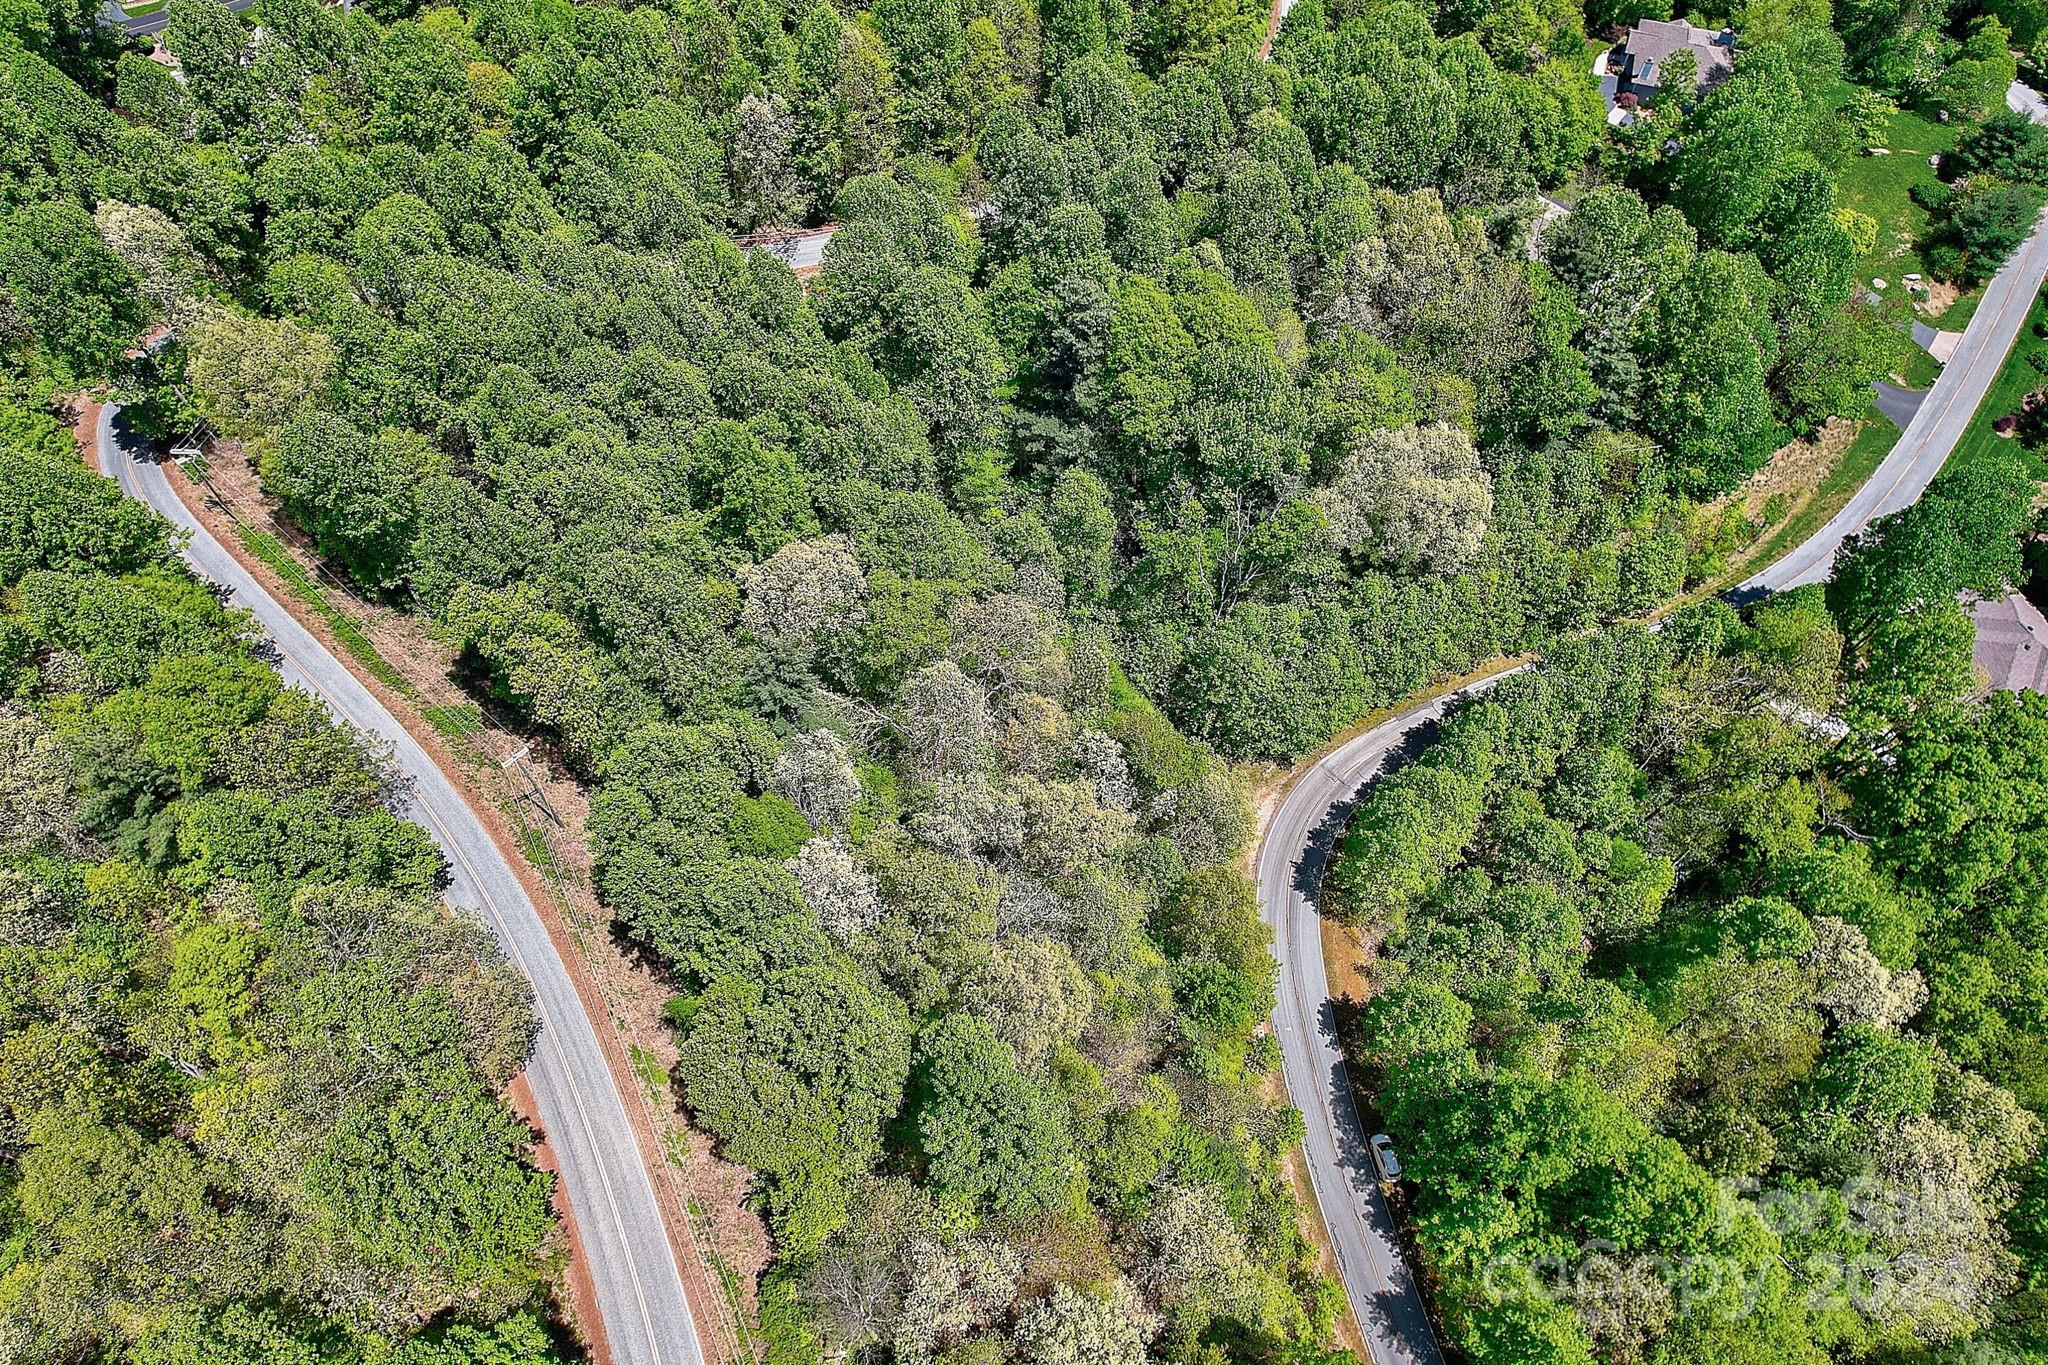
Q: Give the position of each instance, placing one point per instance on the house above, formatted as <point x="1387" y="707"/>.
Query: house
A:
<point x="2011" y="651"/>
<point x="1639" y="61"/>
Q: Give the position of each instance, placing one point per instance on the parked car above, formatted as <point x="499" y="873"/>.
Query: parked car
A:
<point x="1383" y="1157"/>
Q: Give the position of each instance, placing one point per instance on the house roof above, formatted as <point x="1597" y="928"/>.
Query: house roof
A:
<point x="2012" y="644"/>
<point x="1651" y="41"/>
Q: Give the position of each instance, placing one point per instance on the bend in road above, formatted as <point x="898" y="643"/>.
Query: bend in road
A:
<point x="1377" y="1279"/>
<point x="627" y="1247"/>
<point x="1943" y="416"/>
<point x="1310" y="816"/>
<point x="646" y="1318"/>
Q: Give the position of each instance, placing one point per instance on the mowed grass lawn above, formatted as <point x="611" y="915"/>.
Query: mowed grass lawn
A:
<point x="2016" y="379"/>
<point x="1882" y="187"/>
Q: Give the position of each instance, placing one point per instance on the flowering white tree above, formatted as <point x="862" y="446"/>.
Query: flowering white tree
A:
<point x="1101" y="760"/>
<point x="950" y="1291"/>
<point x="36" y="802"/>
<point x="839" y="891"/>
<point x="1208" y="818"/>
<point x="156" y="249"/>
<point x="1074" y="1327"/>
<point x="806" y="589"/>
<point x="816" y="773"/>
<point x="764" y="182"/>
<point x="1938" y="1262"/>
<point x="945" y="719"/>
<point x="968" y="815"/>
<point x="1033" y="994"/>
<point x="1009" y="642"/>
<point x="1852" y="985"/>
<point x="1413" y="496"/>
<point x="1197" y="1256"/>
<point x="1065" y="827"/>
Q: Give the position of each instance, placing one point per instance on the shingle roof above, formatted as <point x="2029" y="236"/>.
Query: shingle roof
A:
<point x="2012" y="644"/>
<point x="1651" y="41"/>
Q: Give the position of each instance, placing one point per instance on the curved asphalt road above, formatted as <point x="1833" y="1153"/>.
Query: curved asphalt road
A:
<point x="1304" y="828"/>
<point x="1943" y="416"/>
<point x="646" y="1320"/>
<point x="628" y="1250"/>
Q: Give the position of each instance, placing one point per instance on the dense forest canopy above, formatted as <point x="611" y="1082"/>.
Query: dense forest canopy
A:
<point x="247" y="1056"/>
<point x="1156" y="405"/>
<point x="1714" y="1019"/>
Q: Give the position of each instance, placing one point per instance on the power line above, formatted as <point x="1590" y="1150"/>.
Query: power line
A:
<point x="527" y="793"/>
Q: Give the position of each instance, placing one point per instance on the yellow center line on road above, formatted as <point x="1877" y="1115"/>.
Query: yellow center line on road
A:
<point x="1908" y="466"/>
<point x="490" y="907"/>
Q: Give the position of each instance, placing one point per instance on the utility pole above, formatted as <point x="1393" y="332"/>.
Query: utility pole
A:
<point x="527" y="788"/>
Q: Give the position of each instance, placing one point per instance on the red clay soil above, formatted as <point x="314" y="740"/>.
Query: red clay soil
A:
<point x="85" y="429"/>
<point x="616" y="990"/>
<point x="1273" y="17"/>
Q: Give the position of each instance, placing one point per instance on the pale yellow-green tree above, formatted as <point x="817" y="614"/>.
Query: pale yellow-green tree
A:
<point x="252" y="375"/>
<point x="36" y="802"/>
<point x="1077" y="1327"/>
<point x="1414" y="496"/>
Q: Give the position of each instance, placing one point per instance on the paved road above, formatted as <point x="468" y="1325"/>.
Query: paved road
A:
<point x="639" y="1292"/>
<point x="802" y="250"/>
<point x="1297" y="846"/>
<point x="806" y="249"/>
<point x="1935" y="428"/>
<point x="148" y="24"/>
<point x="1304" y="828"/>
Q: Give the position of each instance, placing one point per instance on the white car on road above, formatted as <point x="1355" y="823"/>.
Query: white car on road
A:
<point x="1384" y="1159"/>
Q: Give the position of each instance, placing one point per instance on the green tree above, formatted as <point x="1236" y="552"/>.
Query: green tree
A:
<point x="355" y="493"/>
<point x="1894" y="45"/>
<point x="437" y="1191"/>
<point x="1705" y="358"/>
<point x="993" y="1138"/>
<point x="926" y="40"/>
<point x="1960" y="537"/>
<point x="1981" y="225"/>
<point x="794" y="1073"/>
<point x="1975" y="82"/>
<point x="1734" y="146"/>
<point x="2007" y="145"/>
<point x="75" y="295"/>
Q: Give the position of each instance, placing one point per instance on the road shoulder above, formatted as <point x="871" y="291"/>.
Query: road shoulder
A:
<point x="706" y="1302"/>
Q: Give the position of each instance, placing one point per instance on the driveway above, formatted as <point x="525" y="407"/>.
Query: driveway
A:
<point x="1297" y="842"/>
<point x="1897" y="404"/>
